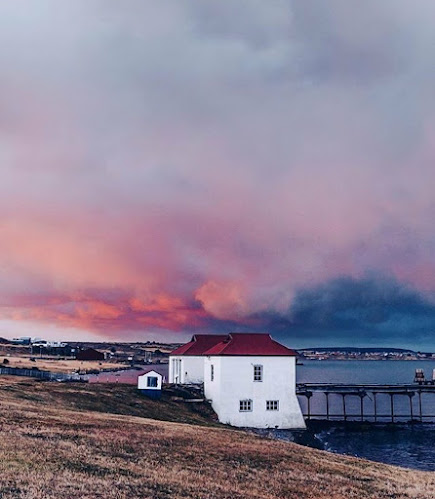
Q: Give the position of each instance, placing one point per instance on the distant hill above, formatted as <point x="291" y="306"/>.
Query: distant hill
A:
<point x="357" y="349"/>
<point x="4" y="341"/>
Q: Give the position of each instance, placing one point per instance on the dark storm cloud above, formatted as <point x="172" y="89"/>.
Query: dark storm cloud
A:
<point x="371" y="310"/>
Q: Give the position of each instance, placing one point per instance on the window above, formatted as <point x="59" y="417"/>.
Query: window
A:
<point x="258" y="373"/>
<point x="152" y="382"/>
<point x="272" y="405"/>
<point x="245" y="406"/>
<point x="212" y="372"/>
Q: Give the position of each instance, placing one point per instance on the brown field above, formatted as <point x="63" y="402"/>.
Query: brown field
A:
<point x="65" y="440"/>
<point x="61" y="366"/>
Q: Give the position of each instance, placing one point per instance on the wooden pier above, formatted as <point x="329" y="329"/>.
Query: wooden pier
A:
<point x="363" y="391"/>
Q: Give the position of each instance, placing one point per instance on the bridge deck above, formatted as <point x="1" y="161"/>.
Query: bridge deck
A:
<point x="366" y="390"/>
<point x="303" y="388"/>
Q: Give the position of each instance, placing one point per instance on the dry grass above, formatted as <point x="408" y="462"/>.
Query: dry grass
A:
<point x="52" y="447"/>
<point x="61" y="366"/>
<point x="105" y="398"/>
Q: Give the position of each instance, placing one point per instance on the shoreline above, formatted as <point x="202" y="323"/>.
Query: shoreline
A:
<point x="409" y="444"/>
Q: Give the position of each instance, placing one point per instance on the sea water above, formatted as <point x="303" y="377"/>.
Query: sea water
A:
<point x="403" y="443"/>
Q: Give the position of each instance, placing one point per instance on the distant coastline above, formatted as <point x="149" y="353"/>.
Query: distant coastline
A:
<point x="361" y="353"/>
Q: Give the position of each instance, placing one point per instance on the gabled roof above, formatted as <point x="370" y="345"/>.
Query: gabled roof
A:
<point x="149" y="372"/>
<point x="260" y="344"/>
<point x="199" y="344"/>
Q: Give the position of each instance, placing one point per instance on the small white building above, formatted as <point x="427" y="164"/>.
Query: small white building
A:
<point x="186" y="363"/>
<point x="150" y="384"/>
<point x="250" y="380"/>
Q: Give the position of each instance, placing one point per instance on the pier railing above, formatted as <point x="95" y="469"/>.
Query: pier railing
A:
<point x="364" y="391"/>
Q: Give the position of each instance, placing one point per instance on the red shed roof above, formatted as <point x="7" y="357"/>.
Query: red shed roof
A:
<point x="199" y="344"/>
<point x="250" y="344"/>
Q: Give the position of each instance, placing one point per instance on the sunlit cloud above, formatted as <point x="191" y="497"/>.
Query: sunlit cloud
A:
<point x="174" y="166"/>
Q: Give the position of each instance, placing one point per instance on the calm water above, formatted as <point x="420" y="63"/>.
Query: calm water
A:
<point x="364" y="371"/>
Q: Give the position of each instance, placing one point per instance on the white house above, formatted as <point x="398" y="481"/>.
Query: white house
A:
<point x="186" y="363"/>
<point x="150" y="384"/>
<point x="250" y="380"/>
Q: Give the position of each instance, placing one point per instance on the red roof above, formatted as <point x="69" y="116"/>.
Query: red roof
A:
<point x="250" y="344"/>
<point x="199" y="344"/>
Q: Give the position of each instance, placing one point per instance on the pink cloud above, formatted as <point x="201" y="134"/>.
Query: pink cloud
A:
<point x="158" y="177"/>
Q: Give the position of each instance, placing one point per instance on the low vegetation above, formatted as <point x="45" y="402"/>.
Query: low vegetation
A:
<point x="98" y="441"/>
<point x="102" y="397"/>
<point x="55" y="365"/>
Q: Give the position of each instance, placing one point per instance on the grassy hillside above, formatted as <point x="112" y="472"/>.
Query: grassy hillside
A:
<point x="102" y="397"/>
<point x="57" y="442"/>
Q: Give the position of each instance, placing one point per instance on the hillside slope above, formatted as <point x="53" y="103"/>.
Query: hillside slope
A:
<point x="51" y="448"/>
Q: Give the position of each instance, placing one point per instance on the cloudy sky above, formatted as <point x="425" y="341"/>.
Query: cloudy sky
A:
<point x="176" y="166"/>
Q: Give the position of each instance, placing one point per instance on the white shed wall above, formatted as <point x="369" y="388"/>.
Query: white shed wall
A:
<point x="142" y="381"/>
<point x="234" y="381"/>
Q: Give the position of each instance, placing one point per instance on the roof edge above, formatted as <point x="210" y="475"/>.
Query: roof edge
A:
<point x="223" y="354"/>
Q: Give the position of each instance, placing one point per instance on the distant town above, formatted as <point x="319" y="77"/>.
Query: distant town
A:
<point x="354" y="353"/>
<point x="80" y="357"/>
<point x="116" y="355"/>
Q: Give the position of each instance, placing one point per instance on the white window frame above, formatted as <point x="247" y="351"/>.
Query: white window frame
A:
<point x="272" y="405"/>
<point x="245" y="405"/>
<point x="258" y="373"/>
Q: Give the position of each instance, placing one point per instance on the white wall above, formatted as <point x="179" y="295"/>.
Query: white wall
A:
<point x="212" y="389"/>
<point x="234" y="381"/>
<point x="186" y="369"/>
<point x="172" y="375"/>
<point x="142" y="381"/>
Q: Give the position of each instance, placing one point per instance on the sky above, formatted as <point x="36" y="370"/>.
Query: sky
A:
<point x="174" y="167"/>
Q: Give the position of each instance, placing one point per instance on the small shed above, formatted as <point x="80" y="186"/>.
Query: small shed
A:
<point x="90" y="354"/>
<point x="150" y="384"/>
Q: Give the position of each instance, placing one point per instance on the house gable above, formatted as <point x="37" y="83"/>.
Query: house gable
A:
<point x="199" y="344"/>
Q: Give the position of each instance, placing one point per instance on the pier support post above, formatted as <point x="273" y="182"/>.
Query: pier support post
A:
<point x="392" y="406"/>
<point x="308" y="395"/>
<point x="411" y="409"/>
<point x="374" y="406"/>
<point x="344" y="406"/>
<point x="419" y="406"/>
<point x="361" y="396"/>
<point x="327" y="405"/>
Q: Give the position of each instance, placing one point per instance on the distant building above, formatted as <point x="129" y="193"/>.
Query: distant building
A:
<point x="51" y="348"/>
<point x="250" y="379"/>
<point x="90" y="354"/>
<point x="150" y="384"/>
<point x="24" y="340"/>
<point x="186" y="363"/>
